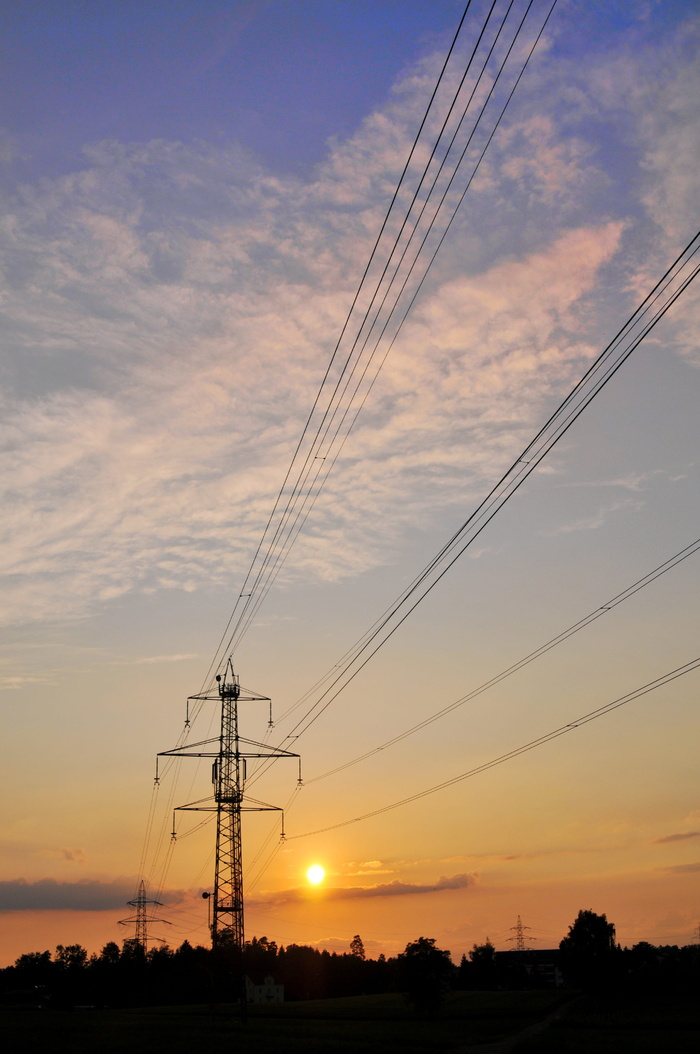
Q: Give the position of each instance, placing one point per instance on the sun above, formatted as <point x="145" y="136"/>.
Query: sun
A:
<point x="315" y="874"/>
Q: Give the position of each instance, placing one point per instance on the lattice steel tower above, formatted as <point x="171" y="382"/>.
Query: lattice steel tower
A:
<point x="520" y="937"/>
<point x="141" y="919"/>
<point x="228" y="801"/>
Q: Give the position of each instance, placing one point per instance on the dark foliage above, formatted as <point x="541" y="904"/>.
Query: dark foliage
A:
<point x="590" y="958"/>
<point x="126" y="977"/>
<point x="425" y="973"/>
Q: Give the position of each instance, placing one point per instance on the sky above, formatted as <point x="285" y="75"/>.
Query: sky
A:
<point x="190" y="195"/>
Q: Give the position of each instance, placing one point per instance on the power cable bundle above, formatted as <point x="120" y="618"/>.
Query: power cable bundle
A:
<point x="461" y="119"/>
<point x="409" y="239"/>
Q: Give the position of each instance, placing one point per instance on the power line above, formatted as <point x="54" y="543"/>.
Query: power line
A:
<point x="327" y="461"/>
<point x="587" y="620"/>
<point x="334" y="354"/>
<point x="671" y="285"/>
<point x="252" y="591"/>
<point x="578" y="722"/>
<point x="284" y="534"/>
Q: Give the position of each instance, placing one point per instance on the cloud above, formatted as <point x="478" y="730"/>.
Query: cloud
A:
<point x="47" y="894"/>
<point x="634" y="481"/>
<point x="368" y="867"/>
<point x="676" y="837"/>
<point x="18" y="682"/>
<point x="387" y="889"/>
<point x="147" y="660"/>
<point x="597" y="519"/>
<point x="170" y="310"/>
<point x="74" y="856"/>
<point x="683" y="869"/>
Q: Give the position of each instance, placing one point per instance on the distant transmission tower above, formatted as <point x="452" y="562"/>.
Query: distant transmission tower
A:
<point x="228" y="802"/>
<point x="141" y="919"/>
<point x="520" y="937"/>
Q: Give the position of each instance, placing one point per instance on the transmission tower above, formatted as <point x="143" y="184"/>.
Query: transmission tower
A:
<point x="230" y="753"/>
<point x="141" y="919"/>
<point x="520" y="937"/>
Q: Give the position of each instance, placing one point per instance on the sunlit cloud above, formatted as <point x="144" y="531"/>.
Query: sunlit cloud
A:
<point x="396" y="888"/>
<point x="597" y="519"/>
<point x="150" y="659"/>
<point x="188" y="329"/>
<point x="18" y="682"/>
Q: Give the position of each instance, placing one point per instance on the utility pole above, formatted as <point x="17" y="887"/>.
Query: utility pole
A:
<point x="520" y="937"/>
<point x="230" y="754"/>
<point x="141" y="918"/>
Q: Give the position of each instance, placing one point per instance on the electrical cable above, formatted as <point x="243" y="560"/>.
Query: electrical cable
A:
<point x="271" y="569"/>
<point x="373" y="253"/>
<point x="296" y="524"/>
<point x="549" y="434"/>
<point x="585" y="719"/>
<point x="587" y="620"/>
<point x="311" y="456"/>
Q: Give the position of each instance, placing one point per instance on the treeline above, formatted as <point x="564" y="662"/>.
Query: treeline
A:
<point x="591" y="959"/>
<point x="128" y="976"/>
<point x="588" y="958"/>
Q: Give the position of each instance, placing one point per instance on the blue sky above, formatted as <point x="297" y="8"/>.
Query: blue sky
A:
<point x="248" y="71"/>
<point x="190" y="196"/>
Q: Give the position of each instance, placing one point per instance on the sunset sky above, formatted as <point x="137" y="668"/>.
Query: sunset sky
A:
<point x="190" y="194"/>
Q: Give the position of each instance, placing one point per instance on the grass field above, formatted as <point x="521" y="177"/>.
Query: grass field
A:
<point x="361" y="1025"/>
<point x="649" y="1024"/>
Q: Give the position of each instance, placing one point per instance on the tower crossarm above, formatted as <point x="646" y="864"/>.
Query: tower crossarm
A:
<point x="229" y="753"/>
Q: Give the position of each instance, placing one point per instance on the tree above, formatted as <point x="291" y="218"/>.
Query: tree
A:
<point x="357" y="948"/>
<point x="34" y="968"/>
<point x="71" y="957"/>
<point x="483" y="954"/>
<point x="589" y="953"/>
<point x="260" y="959"/>
<point x="425" y="973"/>
<point x="483" y="965"/>
<point x="109" y="956"/>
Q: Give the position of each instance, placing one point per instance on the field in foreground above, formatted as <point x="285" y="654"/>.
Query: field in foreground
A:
<point x="649" y="1024"/>
<point x="469" y="1020"/>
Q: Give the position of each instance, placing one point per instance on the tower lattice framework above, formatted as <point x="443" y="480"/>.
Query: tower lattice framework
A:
<point x="229" y="800"/>
<point x="141" y="919"/>
<point x="520" y="936"/>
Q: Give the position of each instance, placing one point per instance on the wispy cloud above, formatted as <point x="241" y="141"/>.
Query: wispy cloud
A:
<point x="634" y="481"/>
<point x="73" y="856"/>
<point x="386" y="889"/>
<point x="149" y="659"/>
<point x="683" y="869"/>
<point x="597" y="519"/>
<point x="172" y="307"/>
<point x="677" y="837"/>
<point x="18" y="682"/>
